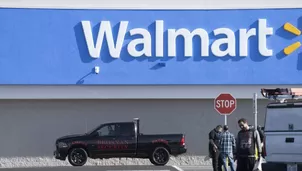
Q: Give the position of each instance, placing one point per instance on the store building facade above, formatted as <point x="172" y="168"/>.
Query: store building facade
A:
<point x="66" y="68"/>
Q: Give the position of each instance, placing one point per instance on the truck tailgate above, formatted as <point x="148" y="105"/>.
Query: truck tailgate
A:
<point x="283" y="146"/>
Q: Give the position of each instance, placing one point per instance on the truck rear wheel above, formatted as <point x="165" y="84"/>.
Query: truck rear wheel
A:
<point x="160" y="156"/>
<point x="77" y="157"/>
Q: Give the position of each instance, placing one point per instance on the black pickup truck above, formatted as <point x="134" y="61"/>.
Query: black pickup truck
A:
<point x="119" y="140"/>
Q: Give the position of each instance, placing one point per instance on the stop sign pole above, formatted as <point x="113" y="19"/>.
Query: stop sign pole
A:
<point x="225" y="104"/>
<point x="255" y="105"/>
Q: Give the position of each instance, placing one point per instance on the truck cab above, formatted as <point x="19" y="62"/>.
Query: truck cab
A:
<point x="283" y="126"/>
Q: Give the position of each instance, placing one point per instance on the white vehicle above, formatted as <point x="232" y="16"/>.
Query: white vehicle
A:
<point x="283" y="127"/>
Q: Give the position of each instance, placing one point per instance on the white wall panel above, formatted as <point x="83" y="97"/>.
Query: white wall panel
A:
<point x="129" y="92"/>
<point x="30" y="127"/>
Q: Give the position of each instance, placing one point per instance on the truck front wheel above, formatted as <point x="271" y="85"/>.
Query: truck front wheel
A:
<point x="77" y="157"/>
<point x="160" y="156"/>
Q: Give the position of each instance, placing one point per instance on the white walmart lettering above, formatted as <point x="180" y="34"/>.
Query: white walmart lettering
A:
<point x="146" y="40"/>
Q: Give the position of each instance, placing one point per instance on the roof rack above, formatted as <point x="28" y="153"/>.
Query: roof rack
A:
<point x="282" y="94"/>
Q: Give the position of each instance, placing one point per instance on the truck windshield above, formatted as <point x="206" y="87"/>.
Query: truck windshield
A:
<point x="89" y="132"/>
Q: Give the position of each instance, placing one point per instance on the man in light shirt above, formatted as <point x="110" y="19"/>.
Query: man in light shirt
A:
<point x="227" y="148"/>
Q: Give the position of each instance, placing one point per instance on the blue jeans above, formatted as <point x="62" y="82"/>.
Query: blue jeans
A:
<point x="227" y="158"/>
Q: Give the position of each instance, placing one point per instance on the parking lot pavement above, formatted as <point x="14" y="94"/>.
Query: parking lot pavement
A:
<point x="115" y="168"/>
<point x="195" y="168"/>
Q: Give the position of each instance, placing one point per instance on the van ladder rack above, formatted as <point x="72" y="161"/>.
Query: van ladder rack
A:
<point x="282" y="94"/>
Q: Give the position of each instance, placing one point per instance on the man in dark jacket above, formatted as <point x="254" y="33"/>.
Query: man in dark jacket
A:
<point x="247" y="141"/>
<point x="214" y="137"/>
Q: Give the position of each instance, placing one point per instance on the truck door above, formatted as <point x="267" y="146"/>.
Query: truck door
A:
<point x="103" y="141"/>
<point x="283" y="132"/>
<point x="116" y="140"/>
<point x="126" y="139"/>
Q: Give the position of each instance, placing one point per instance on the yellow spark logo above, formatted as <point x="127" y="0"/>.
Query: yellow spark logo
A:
<point x="294" y="30"/>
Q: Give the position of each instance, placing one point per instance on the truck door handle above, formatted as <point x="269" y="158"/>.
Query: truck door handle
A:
<point x="289" y="140"/>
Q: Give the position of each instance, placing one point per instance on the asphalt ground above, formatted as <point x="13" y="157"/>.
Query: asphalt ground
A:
<point x="265" y="167"/>
<point x="115" y="168"/>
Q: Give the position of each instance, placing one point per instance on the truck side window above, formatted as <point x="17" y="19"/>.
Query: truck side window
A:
<point x="107" y="130"/>
<point x="127" y="129"/>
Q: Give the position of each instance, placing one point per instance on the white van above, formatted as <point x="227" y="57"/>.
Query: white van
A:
<point x="283" y="126"/>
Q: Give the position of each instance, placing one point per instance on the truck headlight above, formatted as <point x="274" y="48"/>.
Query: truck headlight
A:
<point x="62" y="145"/>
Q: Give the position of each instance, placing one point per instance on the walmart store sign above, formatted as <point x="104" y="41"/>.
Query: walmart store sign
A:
<point x="229" y="39"/>
<point x="151" y="47"/>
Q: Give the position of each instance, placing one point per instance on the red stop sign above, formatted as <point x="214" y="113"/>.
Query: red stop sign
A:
<point x="225" y="104"/>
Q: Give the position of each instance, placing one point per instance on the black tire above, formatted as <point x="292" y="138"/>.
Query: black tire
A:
<point x="160" y="156"/>
<point x="77" y="157"/>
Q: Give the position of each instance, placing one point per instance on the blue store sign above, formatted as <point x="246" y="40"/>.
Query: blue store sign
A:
<point x="60" y="46"/>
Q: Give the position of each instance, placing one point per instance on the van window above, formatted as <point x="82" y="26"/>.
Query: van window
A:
<point x="283" y="119"/>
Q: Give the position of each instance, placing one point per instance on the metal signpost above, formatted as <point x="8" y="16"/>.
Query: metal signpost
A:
<point x="255" y="106"/>
<point x="225" y="104"/>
